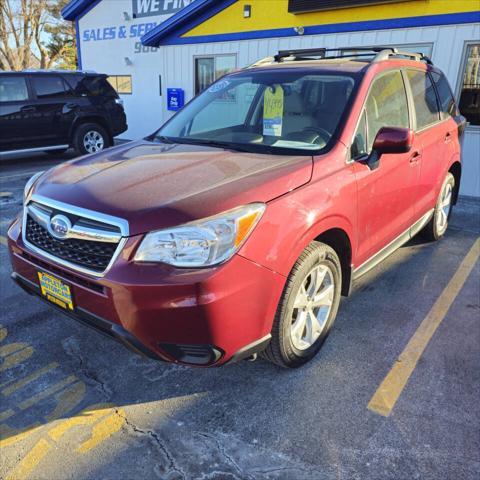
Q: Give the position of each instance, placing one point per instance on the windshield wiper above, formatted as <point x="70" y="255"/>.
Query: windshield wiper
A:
<point x="214" y="143"/>
<point x="163" y="139"/>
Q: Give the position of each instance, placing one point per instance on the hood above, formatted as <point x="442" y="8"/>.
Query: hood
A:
<point x="155" y="186"/>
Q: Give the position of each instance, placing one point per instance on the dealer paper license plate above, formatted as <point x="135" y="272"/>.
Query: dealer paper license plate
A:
<point x="55" y="290"/>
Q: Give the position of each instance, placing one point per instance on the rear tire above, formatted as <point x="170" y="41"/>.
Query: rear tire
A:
<point x="90" y="138"/>
<point x="307" y="309"/>
<point x="437" y="226"/>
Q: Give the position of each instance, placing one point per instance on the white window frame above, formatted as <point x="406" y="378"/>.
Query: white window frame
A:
<point x="461" y="73"/>
<point x="122" y="75"/>
<point x="214" y="56"/>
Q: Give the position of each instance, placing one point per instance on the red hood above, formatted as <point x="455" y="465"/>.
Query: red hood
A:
<point x="155" y="186"/>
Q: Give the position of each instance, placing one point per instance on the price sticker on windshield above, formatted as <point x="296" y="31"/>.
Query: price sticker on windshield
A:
<point x="273" y="111"/>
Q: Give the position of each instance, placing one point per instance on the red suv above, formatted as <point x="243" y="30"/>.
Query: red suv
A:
<point x="236" y="227"/>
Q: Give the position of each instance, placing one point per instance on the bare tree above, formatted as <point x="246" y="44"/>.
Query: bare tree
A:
<point x="33" y="34"/>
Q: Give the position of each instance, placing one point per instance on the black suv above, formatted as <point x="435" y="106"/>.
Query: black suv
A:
<point x="55" y="110"/>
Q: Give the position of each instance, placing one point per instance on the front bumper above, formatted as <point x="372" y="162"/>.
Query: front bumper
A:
<point x="192" y="316"/>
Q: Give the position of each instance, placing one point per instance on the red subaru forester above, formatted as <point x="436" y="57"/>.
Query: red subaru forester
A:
<point x="235" y="228"/>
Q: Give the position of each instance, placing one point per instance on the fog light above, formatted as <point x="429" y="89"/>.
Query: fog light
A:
<point x="192" y="354"/>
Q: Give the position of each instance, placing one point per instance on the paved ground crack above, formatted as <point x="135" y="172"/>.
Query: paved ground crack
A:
<point x="158" y="442"/>
<point x="72" y="349"/>
<point x="229" y="459"/>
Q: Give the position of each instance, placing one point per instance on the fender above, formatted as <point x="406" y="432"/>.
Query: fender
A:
<point x="455" y="167"/>
<point x="277" y="247"/>
<point x="332" y="222"/>
<point x="86" y="116"/>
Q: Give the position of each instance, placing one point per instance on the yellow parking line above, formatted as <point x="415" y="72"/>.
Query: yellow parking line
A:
<point x="3" y="240"/>
<point x="10" y="436"/>
<point x="6" y="414"/>
<point x="392" y="386"/>
<point x="20" y="383"/>
<point x="30" y="461"/>
<point x="47" y="392"/>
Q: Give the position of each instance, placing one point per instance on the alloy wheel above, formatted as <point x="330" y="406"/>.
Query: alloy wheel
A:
<point x="312" y="307"/>
<point x="93" y="141"/>
<point x="444" y="207"/>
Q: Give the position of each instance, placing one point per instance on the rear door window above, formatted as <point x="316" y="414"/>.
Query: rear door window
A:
<point x="424" y="98"/>
<point x="448" y="108"/>
<point x="91" y="86"/>
<point x="13" y="88"/>
<point x="49" y="86"/>
<point x="386" y="105"/>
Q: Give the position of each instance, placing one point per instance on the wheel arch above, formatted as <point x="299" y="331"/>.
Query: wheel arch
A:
<point x="98" y="119"/>
<point x="339" y="240"/>
<point x="456" y="170"/>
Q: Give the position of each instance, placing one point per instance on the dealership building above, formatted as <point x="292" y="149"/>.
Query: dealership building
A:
<point x="160" y="53"/>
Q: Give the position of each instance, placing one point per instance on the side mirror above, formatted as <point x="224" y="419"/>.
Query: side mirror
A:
<point x="390" y="140"/>
<point x="393" y="140"/>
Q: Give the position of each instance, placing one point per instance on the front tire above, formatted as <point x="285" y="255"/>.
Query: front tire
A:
<point x="90" y="138"/>
<point x="308" y="307"/>
<point x="438" y="225"/>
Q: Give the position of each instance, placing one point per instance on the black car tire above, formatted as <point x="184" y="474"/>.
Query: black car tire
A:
<point x="86" y="129"/>
<point x="436" y="228"/>
<point x="282" y="349"/>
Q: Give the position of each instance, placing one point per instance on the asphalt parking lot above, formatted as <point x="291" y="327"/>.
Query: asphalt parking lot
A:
<point x="76" y="405"/>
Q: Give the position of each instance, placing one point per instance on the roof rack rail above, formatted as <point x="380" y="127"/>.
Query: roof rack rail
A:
<point x="380" y="53"/>
<point x="55" y="70"/>
<point x="394" y="52"/>
<point x="311" y="52"/>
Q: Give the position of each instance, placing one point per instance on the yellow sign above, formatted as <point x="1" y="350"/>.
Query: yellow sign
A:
<point x="273" y="111"/>
<point x="55" y="290"/>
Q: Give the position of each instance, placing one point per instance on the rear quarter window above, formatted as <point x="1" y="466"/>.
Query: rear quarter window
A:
<point x="448" y="108"/>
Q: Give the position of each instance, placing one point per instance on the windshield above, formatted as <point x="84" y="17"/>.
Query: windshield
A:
<point x="270" y="111"/>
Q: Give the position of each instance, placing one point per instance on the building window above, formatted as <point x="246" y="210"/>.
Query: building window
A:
<point x="121" y="83"/>
<point x="211" y="68"/>
<point x="470" y="85"/>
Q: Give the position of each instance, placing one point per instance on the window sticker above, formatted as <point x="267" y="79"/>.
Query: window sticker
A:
<point x="216" y="87"/>
<point x="273" y="111"/>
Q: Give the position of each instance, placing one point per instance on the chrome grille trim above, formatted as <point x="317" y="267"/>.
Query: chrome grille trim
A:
<point x="77" y="232"/>
<point x="80" y="233"/>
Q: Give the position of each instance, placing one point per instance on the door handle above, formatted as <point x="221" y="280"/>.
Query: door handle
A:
<point x="448" y="137"/>
<point x="27" y="109"/>
<point x="415" y="157"/>
<point x="71" y="105"/>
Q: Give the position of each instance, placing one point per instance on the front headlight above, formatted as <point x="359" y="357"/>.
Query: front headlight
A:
<point x="202" y="243"/>
<point x="29" y="186"/>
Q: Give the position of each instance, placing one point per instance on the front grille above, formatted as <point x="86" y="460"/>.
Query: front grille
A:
<point x="92" y="255"/>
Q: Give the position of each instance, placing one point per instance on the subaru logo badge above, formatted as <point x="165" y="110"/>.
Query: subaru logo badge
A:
<point x="59" y="226"/>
